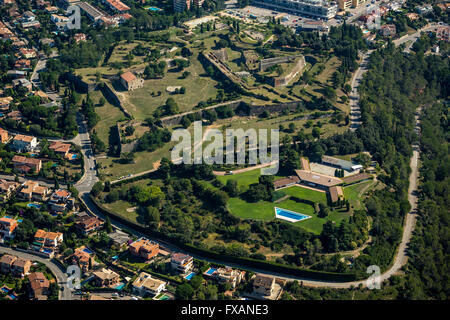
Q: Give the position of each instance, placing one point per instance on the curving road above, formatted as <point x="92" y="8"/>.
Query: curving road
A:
<point x="60" y="274"/>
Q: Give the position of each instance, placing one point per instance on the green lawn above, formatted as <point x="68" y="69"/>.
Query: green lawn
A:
<point x="264" y="210"/>
<point x="243" y="179"/>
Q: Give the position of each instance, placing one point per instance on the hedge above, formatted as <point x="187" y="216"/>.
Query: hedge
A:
<point x="221" y="258"/>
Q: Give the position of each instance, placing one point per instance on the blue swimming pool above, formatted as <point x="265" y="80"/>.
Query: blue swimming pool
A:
<point x="7" y="217"/>
<point x="87" y="250"/>
<point x="120" y="286"/>
<point x="189" y="276"/>
<point x="291" y="215"/>
<point x="34" y="205"/>
<point x="74" y="156"/>
<point x="12" y="296"/>
<point x="154" y="9"/>
<point x="5" y="290"/>
<point x="210" y="271"/>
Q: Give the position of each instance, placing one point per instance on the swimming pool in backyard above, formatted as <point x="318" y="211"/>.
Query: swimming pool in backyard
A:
<point x="87" y="250"/>
<point x="290" y="216"/>
<point x="120" y="286"/>
<point x="210" y="271"/>
<point x="189" y="276"/>
<point x="34" y="205"/>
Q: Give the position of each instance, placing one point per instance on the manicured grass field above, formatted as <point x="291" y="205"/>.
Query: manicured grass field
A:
<point x="264" y="210"/>
<point x="304" y="193"/>
<point x="243" y="179"/>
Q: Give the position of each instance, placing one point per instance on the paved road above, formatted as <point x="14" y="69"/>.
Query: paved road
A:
<point x="355" y="110"/>
<point x="60" y="275"/>
<point x="83" y="139"/>
<point x="413" y="37"/>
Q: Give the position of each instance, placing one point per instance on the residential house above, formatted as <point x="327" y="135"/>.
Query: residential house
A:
<point x="7" y="227"/>
<point x="146" y="285"/>
<point x="28" y="16"/>
<point x="6" y="262"/>
<point x="388" y="30"/>
<point x="22" y="82"/>
<point x="412" y="16"/>
<point x="106" y="278"/>
<point x="16" y="74"/>
<point x="144" y="248"/>
<point x="181" y="5"/>
<point x="263" y="285"/>
<point x="48" y="239"/>
<point x="130" y="81"/>
<point x="443" y="33"/>
<point x="31" y="190"/>
<point x="116" y="5"/>
<point x="20" y="267"/>
<point x="61" y="200"/>
<point x="31" y="24"/>
<point x="24" y="164"/>
<point x="78" y="37"/>
<point x="119" y="239"/>
<point x="4" y="136"/>
<point x="39" y="285"/>
<point x="51" y="9"/>
<point x="121" y="17"/>
<point x="59" y="21"/>
<point x="5" y="103"/>
<point x="83" y="257"/>
<point x="22" y="64"/>
<point x="16" y="115"/>
<point x="227" y="274"/>
<point x="424" y="10"/>
<point x="23" y="143"/>
<point x="7" y="188"/>
<point x="27" y="53"/>
<point x="60" y="148"/>
<point x="88" y="224"/>
<point x="181" y="262"/>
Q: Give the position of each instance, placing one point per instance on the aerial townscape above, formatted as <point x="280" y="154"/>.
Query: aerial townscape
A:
<point x="95" y="206"/>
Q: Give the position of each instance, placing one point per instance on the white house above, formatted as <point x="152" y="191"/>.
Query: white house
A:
<point x="146" y="285"/>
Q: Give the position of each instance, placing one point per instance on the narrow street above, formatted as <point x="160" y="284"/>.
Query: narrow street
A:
<point x="61" y="277"/>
